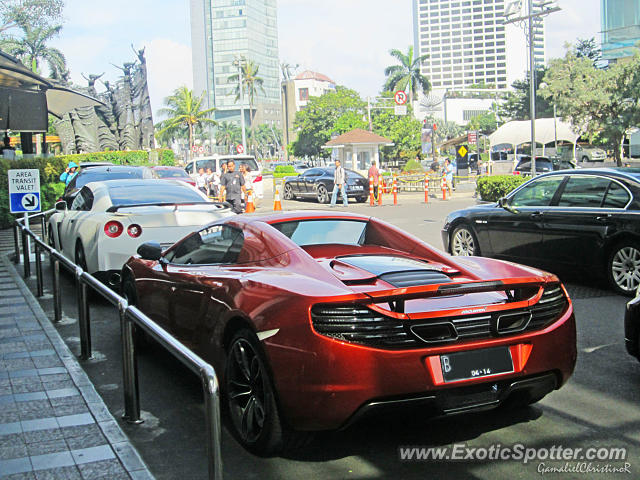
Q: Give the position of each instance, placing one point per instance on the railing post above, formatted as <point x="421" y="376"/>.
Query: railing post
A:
<point x="57" y="295"/>
<point x="43" y="228"/>
<point x="25" y="255"/>
<point x="16" y="243"/>
<point x="212" y="419"/>
<point x="84" y="320"/>
<point x="129" y="367"/>
<point x="38" y="270"/>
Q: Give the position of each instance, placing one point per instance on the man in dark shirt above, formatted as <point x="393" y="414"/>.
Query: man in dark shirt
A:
<point x="232" y="184"/>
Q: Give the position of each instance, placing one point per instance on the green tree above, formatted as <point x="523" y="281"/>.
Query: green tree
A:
<point x="485" y="123"/>
<point x="184" y="112"/>
<point x="596" y="101"/>
<point x="516" y="105"/>
<point x="31" y="48"/>
<point x="588" y="48"/>
<point x="321" y="118"/>
<point x="35" y="13"/>
<point x="403" y="130"/>
<point x="445" y="130"/>
<point x="267" y="139"/>
<point x="251" y="83"/>
<point x="406" y="76"/>
<point x="228" y="134"/>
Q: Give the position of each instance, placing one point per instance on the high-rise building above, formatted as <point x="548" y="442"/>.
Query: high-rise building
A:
<point x="223" y="32"/>
<point x="467" y="44"/>
<point x="620" y="21"/>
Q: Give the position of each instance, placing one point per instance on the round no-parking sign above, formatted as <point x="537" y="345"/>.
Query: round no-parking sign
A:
<point x="400" y="97"/>
<point x="240" y="148"/>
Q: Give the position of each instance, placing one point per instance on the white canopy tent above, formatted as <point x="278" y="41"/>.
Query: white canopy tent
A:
<point x="547" y="130"/>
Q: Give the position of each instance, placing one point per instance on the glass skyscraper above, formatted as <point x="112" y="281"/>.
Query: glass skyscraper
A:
<point x="223" y="31"/>
<point x="620" y="27"/>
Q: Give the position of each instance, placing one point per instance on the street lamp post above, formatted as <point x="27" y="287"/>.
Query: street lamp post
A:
<point x="513" y="14"/>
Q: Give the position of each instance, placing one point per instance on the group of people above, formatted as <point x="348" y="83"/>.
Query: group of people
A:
<point x="229" y="185"/>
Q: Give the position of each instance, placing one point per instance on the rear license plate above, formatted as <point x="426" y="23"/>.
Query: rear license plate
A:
<point x="476" y="364"/>
<point x="356" y="187"/>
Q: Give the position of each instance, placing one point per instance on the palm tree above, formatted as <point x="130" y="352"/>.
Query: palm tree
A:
<point x="251" y="82"/>
<point x="184" y="111"/>
<point x="406" y="76"/>
<point x="227" y="134"/>
<point x="32" y="48"/>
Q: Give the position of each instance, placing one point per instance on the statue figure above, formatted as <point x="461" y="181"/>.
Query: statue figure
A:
<point x="92" y="81"/>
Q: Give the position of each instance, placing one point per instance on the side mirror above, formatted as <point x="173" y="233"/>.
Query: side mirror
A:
<point x="150" y="251"/>
<point x="504" y="203"/>
<point x="61" y="206"/>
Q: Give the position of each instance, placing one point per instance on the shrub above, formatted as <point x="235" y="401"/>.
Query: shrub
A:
<point x="133" y="157"/>
<point x="285" y="169"/>
<point x="492" y="188"/>
<point x="412" y="166"/>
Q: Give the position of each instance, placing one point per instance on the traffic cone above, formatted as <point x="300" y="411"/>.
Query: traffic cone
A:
<point x="371" y="198"/>
<point x="276" y="201"/>
<point x="250" y="208"/>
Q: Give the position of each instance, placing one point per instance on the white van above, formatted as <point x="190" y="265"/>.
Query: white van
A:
<point x="214" y="162"/>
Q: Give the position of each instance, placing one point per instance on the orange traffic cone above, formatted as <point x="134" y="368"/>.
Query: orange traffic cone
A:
<point x="276" y="201"/>
<point x="250" y="208"/>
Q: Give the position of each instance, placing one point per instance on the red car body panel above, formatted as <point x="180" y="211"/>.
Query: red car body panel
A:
<point x="321" y="381"/>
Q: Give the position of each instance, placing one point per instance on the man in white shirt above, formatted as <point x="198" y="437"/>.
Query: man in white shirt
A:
<point x="339" y="182"/>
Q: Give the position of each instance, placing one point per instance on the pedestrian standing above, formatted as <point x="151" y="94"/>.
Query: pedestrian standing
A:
<point x="69" y="173"/>
<point x="232" y="186"/>
<point x="201" y="181"/>
<point x="211" y="190"/>
<point x="375" y="174"/>
<point x="448" y="176"/>
<point x="248" y="183"/>
<point x="339" y="182"/>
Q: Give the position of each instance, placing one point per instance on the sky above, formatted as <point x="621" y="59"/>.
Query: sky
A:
<point x="347" y="40"/>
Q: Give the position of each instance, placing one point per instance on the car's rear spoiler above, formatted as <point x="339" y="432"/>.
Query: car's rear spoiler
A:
<point x="115" y="208"/>
<point x="458" y="288"/>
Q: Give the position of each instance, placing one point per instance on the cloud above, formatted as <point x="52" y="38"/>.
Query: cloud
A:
<point x="577" y="19"/>
<point x="169" y="66"/>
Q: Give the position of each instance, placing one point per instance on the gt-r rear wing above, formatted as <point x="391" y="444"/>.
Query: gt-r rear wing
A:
<point x="217" y="205"/>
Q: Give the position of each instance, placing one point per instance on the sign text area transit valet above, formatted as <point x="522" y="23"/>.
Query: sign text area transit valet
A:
<point x="24" y="190"/>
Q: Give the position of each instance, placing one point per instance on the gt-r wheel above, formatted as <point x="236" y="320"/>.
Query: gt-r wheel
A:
<point x="623" y="268"/>
<point x="463" y="242"/>
<point x="250" y="401"/>
<point x="288" y="192"/>
<point x="323" y="194"/>
<point x="81" y="259"/>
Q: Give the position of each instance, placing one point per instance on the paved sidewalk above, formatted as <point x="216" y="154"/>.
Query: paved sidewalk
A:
<point x="53" y="424"/>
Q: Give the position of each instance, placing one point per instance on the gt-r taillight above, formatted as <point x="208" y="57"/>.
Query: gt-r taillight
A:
<point x="113" y="229"/>
<point x="257" y="179"/>
<point x="134" y="230"/>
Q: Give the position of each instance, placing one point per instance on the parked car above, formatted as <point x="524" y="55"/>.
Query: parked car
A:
<point x="174" y="173"/>
<point x="108" y="220"/>
<point x="98" y="173"/>
<point x="589" y="153"/>
<point x="582" y="220"/>
<point x="301" y="167"/>
<point x="543" y="165"/>
<point x="318" y="183"/>
<point x="632" y="327"/>
<point x="316" y="319"/>
<point x="214" y="163"/>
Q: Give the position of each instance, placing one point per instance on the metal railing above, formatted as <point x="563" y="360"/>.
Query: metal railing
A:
<point x="129" y="316"/>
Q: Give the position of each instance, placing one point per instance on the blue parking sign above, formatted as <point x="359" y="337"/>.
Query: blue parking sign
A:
<point x="25" y="202"/>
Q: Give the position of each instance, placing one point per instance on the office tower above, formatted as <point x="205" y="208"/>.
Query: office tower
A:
<point x="468" y="44"/>
<point x="620" y="21"/>
<point x="223" y="31"/>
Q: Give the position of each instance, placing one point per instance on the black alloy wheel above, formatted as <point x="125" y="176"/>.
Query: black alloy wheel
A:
<point x="323" y="194"/>
<point x="81" y="259"/>
<point x="249" y="396"/>
<point x="288" y="192"/>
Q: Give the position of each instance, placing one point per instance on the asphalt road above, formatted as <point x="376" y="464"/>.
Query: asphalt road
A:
<point x="598" y="407"/>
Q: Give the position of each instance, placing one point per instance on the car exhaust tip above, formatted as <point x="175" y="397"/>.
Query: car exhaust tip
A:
<point x="114" y="280"/>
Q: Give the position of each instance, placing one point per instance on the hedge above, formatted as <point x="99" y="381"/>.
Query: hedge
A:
<point x="50" y="169"/>
<point x="494" y="187"/>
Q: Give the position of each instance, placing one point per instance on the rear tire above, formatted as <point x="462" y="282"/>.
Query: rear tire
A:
<point x="585" y="159"/>
<point x="80" y="257"/>
<point x="463" y="242"/>
<point x="361" y="199"/>
<point x="250" y="400"/>
<point x="323" y="194"/>
<point x="623" y="268"/>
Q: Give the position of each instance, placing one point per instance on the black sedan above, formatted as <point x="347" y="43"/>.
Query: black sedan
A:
<point x="584" y="221"/>
<point x="318" y="183"/>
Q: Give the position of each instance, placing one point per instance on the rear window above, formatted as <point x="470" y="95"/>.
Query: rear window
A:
<point x="320" y="232"/>
<point x="171" y="173"/>
<point x="95" y="175"/>
<point x="249" y="162"/>
<point x="162" y="192"/>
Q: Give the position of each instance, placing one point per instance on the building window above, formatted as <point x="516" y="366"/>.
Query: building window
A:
<point x="303" y="94"/>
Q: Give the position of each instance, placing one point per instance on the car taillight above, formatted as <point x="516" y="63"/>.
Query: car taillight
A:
<point x="113" y="229"/>
<point x="257" y="179"/>
<point x="516" y="172"/>
<point x="134" y="230"/>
